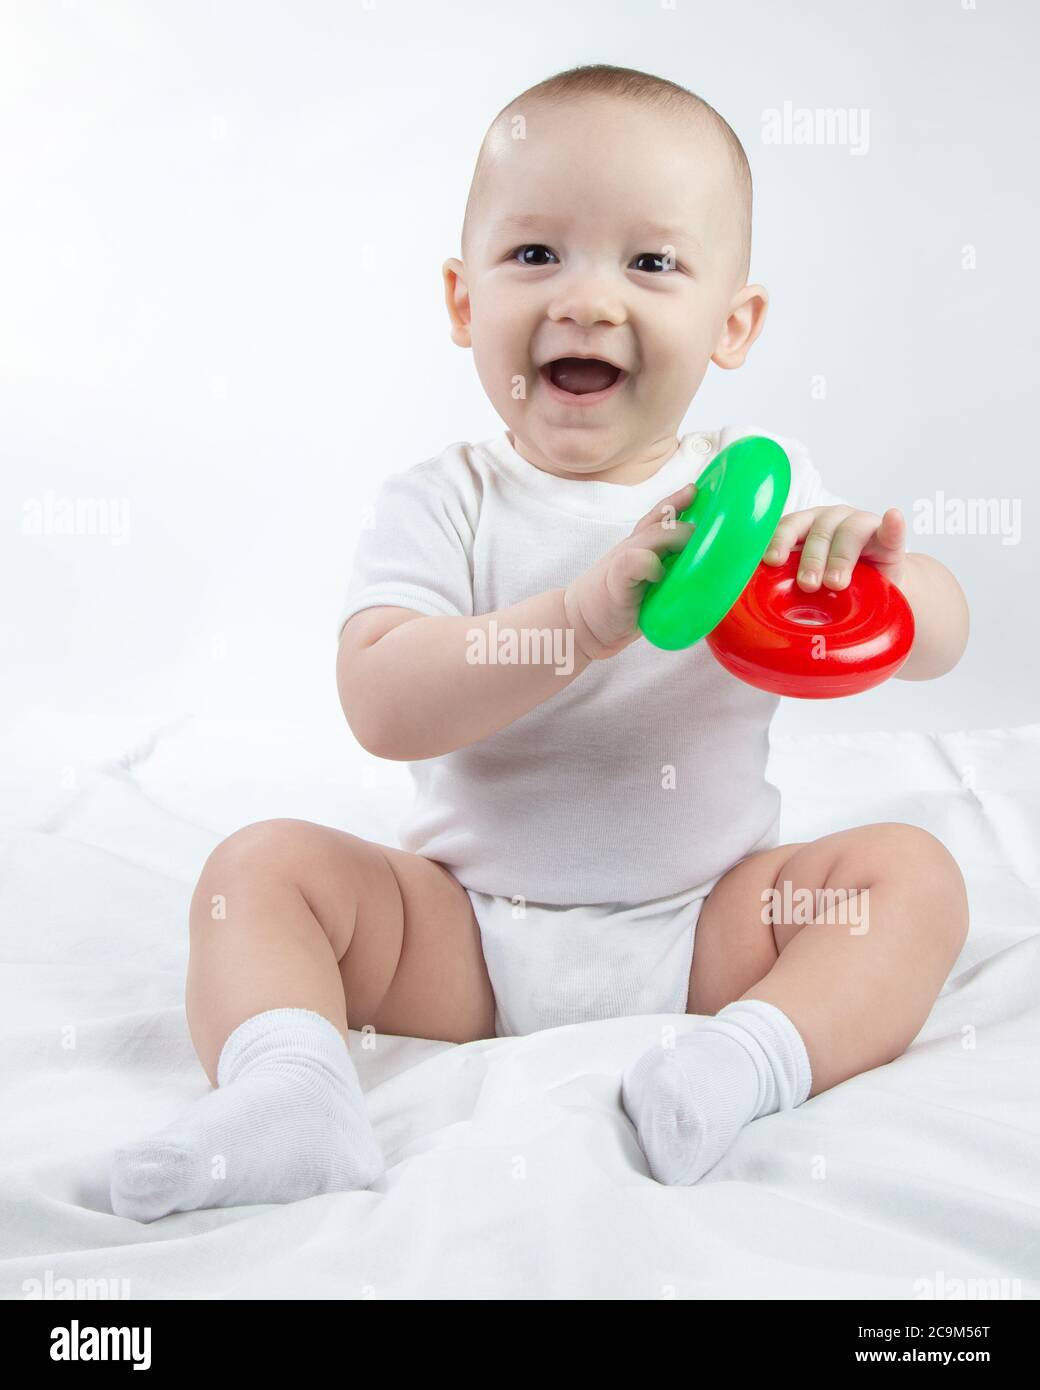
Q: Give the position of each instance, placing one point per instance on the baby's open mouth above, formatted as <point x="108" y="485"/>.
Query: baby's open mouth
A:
<point x="581" y="376"/>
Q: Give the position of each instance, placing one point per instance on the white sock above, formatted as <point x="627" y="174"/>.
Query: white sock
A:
<point x="689" y="1102"/>
<point x="287" y="1121"/>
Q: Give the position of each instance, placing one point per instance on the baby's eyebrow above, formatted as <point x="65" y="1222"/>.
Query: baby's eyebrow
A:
<point x="662" y="233"/>
<point x="524" y="219"/>
<point x="670" y="234"/>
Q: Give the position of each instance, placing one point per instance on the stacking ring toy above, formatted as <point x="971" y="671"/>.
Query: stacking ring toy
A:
<point x="818" y="645"/>
<point x="739" y="500"/>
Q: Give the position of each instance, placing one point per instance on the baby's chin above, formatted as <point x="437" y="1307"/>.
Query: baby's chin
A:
<point x="617" y="451"/>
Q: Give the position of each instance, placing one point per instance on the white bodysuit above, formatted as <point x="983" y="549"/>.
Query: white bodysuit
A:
<point x="588" y="832"/>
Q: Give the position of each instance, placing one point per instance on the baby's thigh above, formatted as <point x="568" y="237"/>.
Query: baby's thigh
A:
<point x="440" y="987"/>
<point x="404" y="935"/>
<point x="734" y="946"/>
<point x="401" y="928"/>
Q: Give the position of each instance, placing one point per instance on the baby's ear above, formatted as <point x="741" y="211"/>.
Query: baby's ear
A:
<point x="746" y="320"/>
<point x="456" y="297"/>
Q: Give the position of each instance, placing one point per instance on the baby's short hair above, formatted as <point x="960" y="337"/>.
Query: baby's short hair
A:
<point x="629" y="84"/>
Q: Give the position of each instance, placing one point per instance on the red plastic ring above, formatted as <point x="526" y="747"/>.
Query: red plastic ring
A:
<point x="771" y="637"/>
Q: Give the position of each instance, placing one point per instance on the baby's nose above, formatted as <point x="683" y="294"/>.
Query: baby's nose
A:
<point x="588" y="301"/>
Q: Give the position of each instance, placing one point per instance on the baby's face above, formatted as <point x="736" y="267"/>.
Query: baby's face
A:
<point x="610" y="231"/>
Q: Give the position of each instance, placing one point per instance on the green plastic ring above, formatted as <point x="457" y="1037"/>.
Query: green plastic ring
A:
<point x="739" y="500"/>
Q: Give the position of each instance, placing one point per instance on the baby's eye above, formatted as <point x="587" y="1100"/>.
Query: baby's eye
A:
<point x="521" y="252"/>
<point x="654" y="256"/>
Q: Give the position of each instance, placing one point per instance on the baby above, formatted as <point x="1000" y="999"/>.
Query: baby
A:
<point x="593" y="834"/>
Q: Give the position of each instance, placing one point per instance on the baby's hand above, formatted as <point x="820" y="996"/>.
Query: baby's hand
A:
<point x="602" y="604"/>
<point x="835" y="538"/>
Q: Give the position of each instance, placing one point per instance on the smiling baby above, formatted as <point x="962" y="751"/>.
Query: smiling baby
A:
<point x="593" y="834"/>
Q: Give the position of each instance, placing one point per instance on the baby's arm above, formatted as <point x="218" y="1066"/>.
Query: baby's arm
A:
<point x="409" y="692"/>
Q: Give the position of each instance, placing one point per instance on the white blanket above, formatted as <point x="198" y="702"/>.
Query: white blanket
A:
<point x="513" y="1172"/>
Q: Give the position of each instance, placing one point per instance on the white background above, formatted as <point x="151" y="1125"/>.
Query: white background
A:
<point x="221" y="233"/>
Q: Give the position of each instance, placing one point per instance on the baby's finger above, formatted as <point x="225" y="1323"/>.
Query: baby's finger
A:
<point x="891" y="534"/>
<point x="660" y="536"/>
<point x="631" y="568"/>
<point x="833" y="546"/>
<point x="789" y="531"/>
<point x="667" y="509"/>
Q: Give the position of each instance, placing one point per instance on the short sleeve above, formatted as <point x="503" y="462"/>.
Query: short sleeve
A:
<point x="412" y="552"/>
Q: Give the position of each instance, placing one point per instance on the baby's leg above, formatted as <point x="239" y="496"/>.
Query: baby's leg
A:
<point x="858" y="991"/>
<point x="295" y="927"/>
<point x="319" y="919"/>
<point x="808" y="1000"/>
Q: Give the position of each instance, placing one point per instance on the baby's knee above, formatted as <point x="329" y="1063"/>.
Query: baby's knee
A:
<point x="926" y="863"/>
<point x="918" y="849"/>
<point x="264" y="849"/>
<point x="261" y="843"/>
